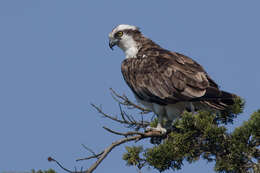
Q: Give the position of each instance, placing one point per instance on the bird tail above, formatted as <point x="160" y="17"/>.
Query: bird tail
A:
<point x="218" y="99"/>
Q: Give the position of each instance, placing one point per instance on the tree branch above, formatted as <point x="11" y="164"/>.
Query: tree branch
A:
<point x="126" y="119"/>
<point x="131" y="136"/>
<point x="119" y="142"/>
<point x="123" y="100"/>
<point x="50" y="159"/>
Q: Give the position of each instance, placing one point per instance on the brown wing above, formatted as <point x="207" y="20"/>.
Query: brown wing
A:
<point x="165" y="77"/>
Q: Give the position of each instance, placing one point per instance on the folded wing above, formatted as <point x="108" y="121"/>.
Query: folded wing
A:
<point x="165" y="77"/>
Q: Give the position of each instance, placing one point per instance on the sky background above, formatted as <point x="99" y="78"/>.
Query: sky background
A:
<point x="55" y="61"/>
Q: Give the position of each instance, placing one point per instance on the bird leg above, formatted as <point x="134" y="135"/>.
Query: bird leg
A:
<point x="159" y="126"/>
<point x="192" y="108"/>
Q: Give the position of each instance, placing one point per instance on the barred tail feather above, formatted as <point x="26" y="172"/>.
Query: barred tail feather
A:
<point x="217" y="99"/>
<point x="220" y="101"/>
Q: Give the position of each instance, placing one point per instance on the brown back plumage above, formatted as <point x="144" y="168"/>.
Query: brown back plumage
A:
<point x="163" y="77"/>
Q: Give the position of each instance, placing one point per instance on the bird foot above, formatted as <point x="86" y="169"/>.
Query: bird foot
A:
<point x="160" y="129"/>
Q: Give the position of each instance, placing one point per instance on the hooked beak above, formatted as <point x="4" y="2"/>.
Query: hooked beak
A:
<point x="112" y="43"/>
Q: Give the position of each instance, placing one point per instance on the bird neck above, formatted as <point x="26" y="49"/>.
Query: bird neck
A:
<point x="136" y="46"/>
<point x="129" y="46"/>
<point x="131" y="52"/>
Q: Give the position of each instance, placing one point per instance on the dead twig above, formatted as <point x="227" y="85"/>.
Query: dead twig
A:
<point x="126" y="119"/>
<point x="130" y="133"/>
<point x="123" y="100"/>
<point x="91" y="157"/>
<point x="50" y="159"/>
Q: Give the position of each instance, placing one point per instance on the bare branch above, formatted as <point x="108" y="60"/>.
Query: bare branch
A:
<point x="132" y="136"/>
<point x="126" y="119"/>
<point x="130" y="133"/>
<point x="96" y="156"/>
<point x="106" y="115"/>
<point x="50" y="159"/>
<point x="123" y="100"/>
<point x="89" y="150"/>
<point x="119" y="142"/>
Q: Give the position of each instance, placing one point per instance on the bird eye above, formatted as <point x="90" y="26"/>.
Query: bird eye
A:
<point x="119" y="34"/>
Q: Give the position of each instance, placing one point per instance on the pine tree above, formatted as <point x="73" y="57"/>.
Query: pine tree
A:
<point x="194" y="136"/>
<point x="204" y="135"/>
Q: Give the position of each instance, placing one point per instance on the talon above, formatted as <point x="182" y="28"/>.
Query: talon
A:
<point x="160" y="129"/>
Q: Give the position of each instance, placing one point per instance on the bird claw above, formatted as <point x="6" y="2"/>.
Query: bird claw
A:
<point x="160" y="129"/>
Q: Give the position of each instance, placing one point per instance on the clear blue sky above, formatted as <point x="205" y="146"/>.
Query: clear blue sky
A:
<point x="55" y="61"/>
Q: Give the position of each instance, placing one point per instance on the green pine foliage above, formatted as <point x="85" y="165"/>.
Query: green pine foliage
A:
<point x="203" y="135"/>
<point x="132" y="156"/>
<point x="40" y="171"/>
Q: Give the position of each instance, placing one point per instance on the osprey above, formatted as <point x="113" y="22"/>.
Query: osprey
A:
<point x="165" y="82"/>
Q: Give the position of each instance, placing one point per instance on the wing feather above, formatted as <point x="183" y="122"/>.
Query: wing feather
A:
<point x="165" y="78"/>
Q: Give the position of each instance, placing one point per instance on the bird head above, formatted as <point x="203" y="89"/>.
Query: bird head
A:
<point x="124" y="36"/>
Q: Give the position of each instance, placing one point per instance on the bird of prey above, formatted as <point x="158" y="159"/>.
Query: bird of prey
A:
<point x="165" y="82"/>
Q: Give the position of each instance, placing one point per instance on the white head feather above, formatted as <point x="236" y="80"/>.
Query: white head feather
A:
<point x="122" y="27"/>
<point x="127" y="43"/>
